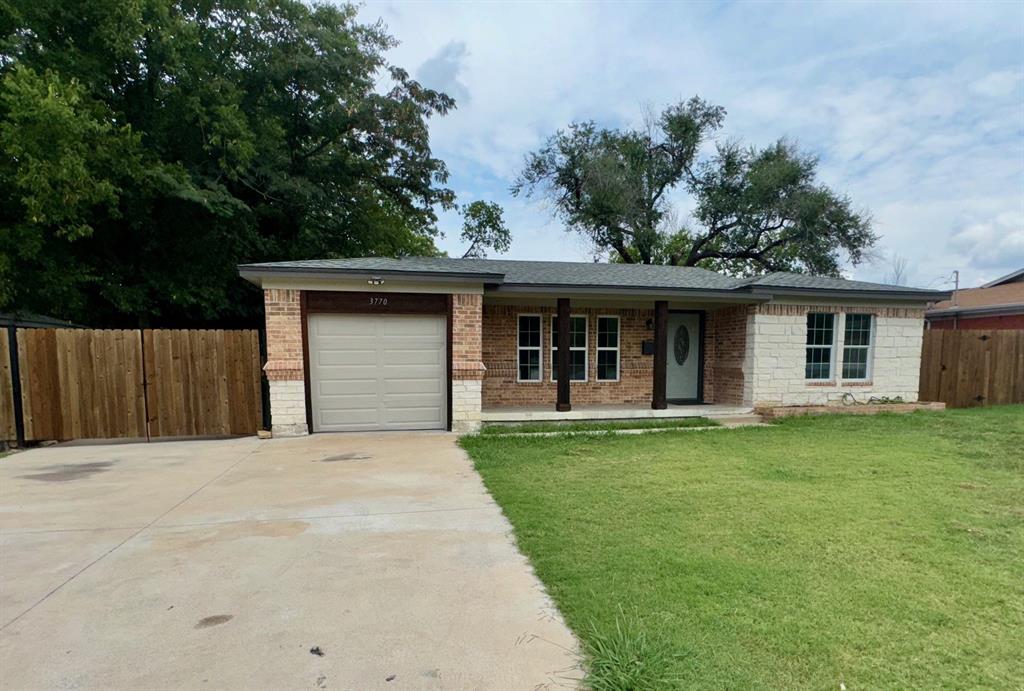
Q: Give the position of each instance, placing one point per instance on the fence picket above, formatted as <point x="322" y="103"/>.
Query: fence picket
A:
<point x="97" y="384"/>
<point x="967" y="368"/>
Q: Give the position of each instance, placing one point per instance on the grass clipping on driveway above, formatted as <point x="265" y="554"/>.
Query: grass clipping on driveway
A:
<point x="870" y="551"/>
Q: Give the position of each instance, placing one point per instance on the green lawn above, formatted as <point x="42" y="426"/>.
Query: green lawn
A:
<point x="872" y="551"/>
<point x="607" y="425"/>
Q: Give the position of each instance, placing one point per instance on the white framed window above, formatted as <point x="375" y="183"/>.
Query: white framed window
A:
<point x="821" y="338"/>
<point x="529" y="363"/>
<point x="858" y="341"/>
<point x="608" y="334"/>
<point x="577" y="348"/>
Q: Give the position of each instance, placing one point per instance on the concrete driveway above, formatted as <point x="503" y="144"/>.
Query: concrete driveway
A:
<point x="222" y="564"/>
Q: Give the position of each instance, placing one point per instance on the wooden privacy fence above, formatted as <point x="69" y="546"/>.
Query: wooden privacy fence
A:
<point x="972" y="368"/>
<point x="100" y="384"/>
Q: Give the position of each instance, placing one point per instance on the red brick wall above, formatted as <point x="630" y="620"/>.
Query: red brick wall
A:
<point x="500" y="387"/>
<point x="467" y="336"/>
<point x="725" y="342"/>
<point x="284" y="335"/>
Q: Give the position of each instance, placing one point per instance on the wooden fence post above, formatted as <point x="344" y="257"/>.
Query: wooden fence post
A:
<point x="19" y="411"/>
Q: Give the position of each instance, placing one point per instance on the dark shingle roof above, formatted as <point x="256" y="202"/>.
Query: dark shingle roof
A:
<point x="514" y="272"/>
<point x="510" y="273"/>
<point x="783" y="279"/>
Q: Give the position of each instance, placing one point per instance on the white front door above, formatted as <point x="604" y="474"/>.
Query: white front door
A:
<point x="377" y="372"/>
<point x="682" y="372"/>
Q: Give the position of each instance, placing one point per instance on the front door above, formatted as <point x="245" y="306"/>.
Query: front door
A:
<point x="682" y="372"/>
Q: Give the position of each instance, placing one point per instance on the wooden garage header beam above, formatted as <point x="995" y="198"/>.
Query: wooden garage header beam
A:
<point x="369" y="302"/>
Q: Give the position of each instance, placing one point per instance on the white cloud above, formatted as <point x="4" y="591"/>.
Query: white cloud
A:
<point x="993" y="244"/>
<point x="916" y="110"/>
<point x="441" y="72"/>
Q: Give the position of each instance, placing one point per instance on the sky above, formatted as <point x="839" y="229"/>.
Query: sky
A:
<point x="916" y="110"/>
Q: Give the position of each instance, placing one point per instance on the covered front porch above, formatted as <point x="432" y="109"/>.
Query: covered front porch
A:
<point x="613" y="356"/>
<point x="537" y="413"/>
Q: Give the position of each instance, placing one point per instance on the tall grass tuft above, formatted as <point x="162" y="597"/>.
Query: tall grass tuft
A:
<point x="626" y="658"/>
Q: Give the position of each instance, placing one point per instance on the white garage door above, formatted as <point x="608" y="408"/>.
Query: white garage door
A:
<point x="377" y="372"/>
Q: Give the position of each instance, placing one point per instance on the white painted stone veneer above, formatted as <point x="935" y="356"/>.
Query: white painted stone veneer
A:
<point x="466" y="405"/>
<point x="776" y="353"/>
<point x="288" y="408"/>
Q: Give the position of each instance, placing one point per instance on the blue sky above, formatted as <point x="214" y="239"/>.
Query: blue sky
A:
<point x="915" y="110"/>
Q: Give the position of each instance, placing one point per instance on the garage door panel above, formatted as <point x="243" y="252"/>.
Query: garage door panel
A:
<point x="351" y="401"/>
<point x="328" y="358"/>
<point x="398" y="373"/>
<point x="412" y="386"/>
<point x="367" y="342"/>
<point x="416" y="327"/>
<point x="347" y="387"/>
<point x="330" y="326"/>
<point x="409" y="400"/>
<point x="399" y="416"/>
<point x="347" y="373"/>
<point x="349" y="418"/>
<point x="377" y="372"/>
<point x="411" y="357"/>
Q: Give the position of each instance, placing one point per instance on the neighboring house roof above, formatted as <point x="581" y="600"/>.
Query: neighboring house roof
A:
<point x="512" y="275"/>
<point x="1012" y="277"/>
<point x="1007" y="298"/>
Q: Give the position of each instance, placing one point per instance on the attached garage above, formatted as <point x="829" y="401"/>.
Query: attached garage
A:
<point x="377" y="372"/>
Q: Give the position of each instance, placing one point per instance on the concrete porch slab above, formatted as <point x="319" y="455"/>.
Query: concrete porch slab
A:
<point x="611" y="412"/>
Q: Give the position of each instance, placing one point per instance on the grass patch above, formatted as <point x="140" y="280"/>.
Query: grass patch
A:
<point x="598" y="425"/>
<point x="625" y="658"/>
<point x="873" y="551"/>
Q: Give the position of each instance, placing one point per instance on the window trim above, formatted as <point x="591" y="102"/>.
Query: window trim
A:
<point x="599" y="348"/>
<point x="539" y="348"/>
<point x="870" y="347"/>
<point x="585" y="348"/>
<point x="831" y="354"/>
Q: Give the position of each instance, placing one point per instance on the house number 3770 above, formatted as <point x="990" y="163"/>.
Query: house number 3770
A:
<point x="378" y="301"/>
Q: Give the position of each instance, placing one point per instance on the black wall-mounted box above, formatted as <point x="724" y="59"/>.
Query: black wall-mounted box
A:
<point x="647" y="348"/>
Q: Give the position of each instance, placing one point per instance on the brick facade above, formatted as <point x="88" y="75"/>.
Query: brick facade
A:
<point x="727" y="355"/>
<point x="284" y="366"/>
<point x="467" y="361"/>
<point x="467" y="336"/>
<point x="753" y="355"/>
<point x="284" y="335"/>
<point x="500" y="388"/>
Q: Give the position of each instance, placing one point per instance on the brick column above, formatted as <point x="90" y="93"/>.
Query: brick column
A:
<point x="467" y="361"/>
<point x="284" y="366"/>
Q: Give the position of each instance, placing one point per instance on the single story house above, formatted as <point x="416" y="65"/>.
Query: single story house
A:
<point x="998" y="304"/>
<point x="439" y="343"/>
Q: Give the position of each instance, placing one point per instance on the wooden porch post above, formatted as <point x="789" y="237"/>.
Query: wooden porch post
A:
<point x="563" y="404"/>
<point x="658" y="401"/>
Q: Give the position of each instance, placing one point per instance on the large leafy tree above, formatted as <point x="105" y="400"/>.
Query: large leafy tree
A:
<point x="148" y="146"/>
<point x="753" y="210"/>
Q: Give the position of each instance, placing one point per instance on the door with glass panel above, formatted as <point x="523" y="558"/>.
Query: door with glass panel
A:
<point x="682" y="371"/>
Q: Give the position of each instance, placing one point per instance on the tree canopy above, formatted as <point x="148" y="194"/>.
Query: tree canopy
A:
<point x="753" y="210"/>
<point x="149" y="146"/>
<point x="483" y="226"/>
